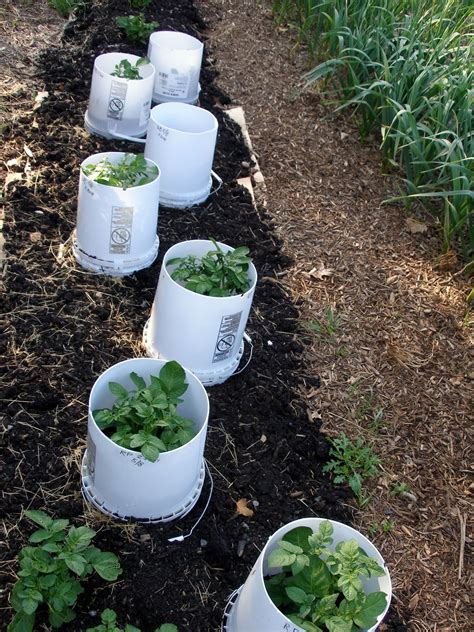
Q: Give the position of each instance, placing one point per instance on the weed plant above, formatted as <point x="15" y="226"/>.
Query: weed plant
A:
<point x="406" y="67"/>
<point x="352" y="463"/>
<point x="66" y="7"/>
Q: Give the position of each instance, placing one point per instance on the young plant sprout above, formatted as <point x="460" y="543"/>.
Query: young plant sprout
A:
<point x="136" y="28"/>
<point x="109" y="624"/>
<point x="131" y="171"/>
<point x="217" y="273"/>
<point x="53" y="567"/>
<point x="126" y="70"/>
<point x="320" y="589"/>
<point x="146" y="419"/>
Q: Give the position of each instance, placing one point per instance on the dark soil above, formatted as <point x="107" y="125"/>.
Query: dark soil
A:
<point x="64" y="327"/>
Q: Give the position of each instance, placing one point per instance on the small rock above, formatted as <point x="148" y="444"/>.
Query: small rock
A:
<point x="258" y="177"/>
<point x="245" y="164"/>
<point x="35" y="237"/>
<point x="203" y="543"/>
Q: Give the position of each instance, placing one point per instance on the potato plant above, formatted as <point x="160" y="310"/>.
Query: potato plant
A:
<point x="130" y="171"/>
<point x="217" y="273"/>
<point x="146" y="419"/>
<point x="109" y="624"/>
<point x="320" y="589"/>
<point x="51" y="572"/>
<point x="126" y="70"/>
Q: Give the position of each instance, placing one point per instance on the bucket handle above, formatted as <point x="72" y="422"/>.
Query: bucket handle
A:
<point x="219" y="181"/>
<point x="247" y="339"/>
<point x="112" y="129"/>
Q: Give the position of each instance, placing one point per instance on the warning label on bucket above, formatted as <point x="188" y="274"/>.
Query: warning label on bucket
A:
<point x="121" y="230"/>
<point x="172" y="84"/>
<point x="118" y="93"/>
<point x="226" y="336"/>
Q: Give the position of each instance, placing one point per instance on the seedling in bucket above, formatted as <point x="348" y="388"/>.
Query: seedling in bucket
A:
<point x="217" y="273"/>
<point x="130" y="171"/>
<point x="125" y="70"/>
<point x="146" y="419"/>
<point x="321" y="589"/>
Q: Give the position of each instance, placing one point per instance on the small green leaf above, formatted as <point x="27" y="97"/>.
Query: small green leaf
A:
<point x="40" y="517"/>
<point x="107" y="566"/>
<point x="296" y="594"/>
<point x="40" y="536"/>
<point x="167" y="627"/>
<point x="279" y="558"/>
<point x="137" y="380"/>
<point x="118" y="390"/>
<point x="172" y="377"/>
<point x="373" y="606"/>
<point x="22" y="622"/>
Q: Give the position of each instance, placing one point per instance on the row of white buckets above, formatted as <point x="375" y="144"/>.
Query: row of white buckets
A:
<point x="120" y="107"/>
<point x="117" y="229"/>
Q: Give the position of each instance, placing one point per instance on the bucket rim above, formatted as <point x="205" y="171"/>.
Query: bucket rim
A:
<point x="161" y="363"/>
<point x="129" y="57"/>
<point x="108" y="187"/>
<point x="235" y="297"/>
<point x="185" y="37"/>
<point x="172" y="105"/>
<point x="301" y="522"/>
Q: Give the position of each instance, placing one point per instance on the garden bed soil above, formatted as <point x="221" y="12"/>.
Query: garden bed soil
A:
<point x="65" y="326"/>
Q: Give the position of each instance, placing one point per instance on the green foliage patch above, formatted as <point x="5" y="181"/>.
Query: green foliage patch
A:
<point x="146" y="419"/>
<point x="130" y="171"/>
<point x="320" y="589"/>
<point x="52" y="570"/>
<point x="217" y="273"/>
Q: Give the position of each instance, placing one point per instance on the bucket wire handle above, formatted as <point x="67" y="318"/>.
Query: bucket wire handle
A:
<point x="219" y="182"/>
<point x="112" y="129"/>
<point x="180" y="538"/>
<point x="249" y="340"/>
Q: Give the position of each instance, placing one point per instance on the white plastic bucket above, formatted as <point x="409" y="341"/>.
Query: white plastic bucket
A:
<point x="181" y="139"/>
<point x="177" y="59"/>
<point x="203" y="333"/>
<point x="251" y="609"/>
<point x="119" y="107"/>
<point x="116" y="231"/>
<point x="121" y="482"/>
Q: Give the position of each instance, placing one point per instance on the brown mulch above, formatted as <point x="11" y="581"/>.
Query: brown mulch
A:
<point x="398" y="369"/>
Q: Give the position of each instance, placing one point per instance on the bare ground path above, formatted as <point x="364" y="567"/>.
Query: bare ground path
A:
<point x="397" y="370"/>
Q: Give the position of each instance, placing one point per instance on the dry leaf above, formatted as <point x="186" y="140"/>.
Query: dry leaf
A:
<point x="242" y="509"/>
<point x="35" y="237"/>
<point x="13" y="162"/>
<point x="39" y="98"/>
<point x="28" y="151"/>
<point x="414" y="601"/>
<point x="321" y="272"/>
<point x="414" y="226"/>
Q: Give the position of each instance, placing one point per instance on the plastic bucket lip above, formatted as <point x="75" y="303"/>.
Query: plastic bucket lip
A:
<point x="172" y="106"/>
<point x="116" y="154"/>
<point x="252" y="272"/>
<point x="100" y="59"/>
<point x="172" y="39"/>
<point x="160" y="363"/>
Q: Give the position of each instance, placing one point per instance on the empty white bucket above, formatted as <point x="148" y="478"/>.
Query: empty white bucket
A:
<point x="116" y="231"/>
<point x="203" y="333"/>
<point x="251" y="609"/>
<point x="121" y="482"/>
<point x="119" y="107"/>
<point x="181" y="139"/>
<point x="177" y="59"/>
